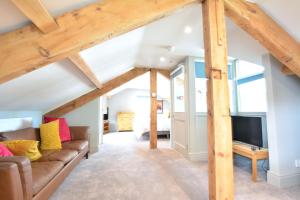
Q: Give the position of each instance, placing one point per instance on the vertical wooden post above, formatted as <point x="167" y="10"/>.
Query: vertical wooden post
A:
<point x="153" y="115"/>
<point x="220" y="160"/>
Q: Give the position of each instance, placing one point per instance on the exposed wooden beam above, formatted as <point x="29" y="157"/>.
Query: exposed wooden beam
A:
<point x="265" y="30"/>
<point x="153" y="115"/>
<point x="108" y="86"/>
<point x="220" y="161"/>
<point x="37" y="13"/>
<point x="286" y="71"/>
<point x="164" y="72"/>
<point x="85" y="69"/>
<point x="27" y="49"/>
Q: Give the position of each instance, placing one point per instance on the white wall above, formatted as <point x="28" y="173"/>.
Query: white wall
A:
<point x="137" y="101"/>
<point x="197" y="146"/>
<point x="283" y="124"/>
<point x="12" y="124"/>
<point x="89" y="115"/>
<point x="104" y="104"/>
<point x="243" y="46"/>
<point x="36" y="117"/>
<point x="192" y="142"/>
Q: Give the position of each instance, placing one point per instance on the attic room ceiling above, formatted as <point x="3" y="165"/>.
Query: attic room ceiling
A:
<point x="57" y="83"/>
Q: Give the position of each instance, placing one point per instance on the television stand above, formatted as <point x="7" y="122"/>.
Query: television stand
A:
<point x="246" y="150"/>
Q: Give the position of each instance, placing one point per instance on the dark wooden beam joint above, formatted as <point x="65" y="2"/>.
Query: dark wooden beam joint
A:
<point x="216" y="74"/>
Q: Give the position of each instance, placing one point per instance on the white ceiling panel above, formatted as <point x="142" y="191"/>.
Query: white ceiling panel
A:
<point x="11" y="18"/>
<point x="113" y="57"/>
<point x="44" y="88"/>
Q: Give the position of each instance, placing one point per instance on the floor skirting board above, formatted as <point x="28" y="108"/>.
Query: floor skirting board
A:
<point x="195" y="156"/>
<point x="283" y="181"/>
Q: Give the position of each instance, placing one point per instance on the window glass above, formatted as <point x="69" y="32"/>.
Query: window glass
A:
<point x="179" y="91"/>
<point x="252" y="96"/>
<point x="201" y="88"/>
<point x="251" y="87"/>
<point x="246" y="69"/>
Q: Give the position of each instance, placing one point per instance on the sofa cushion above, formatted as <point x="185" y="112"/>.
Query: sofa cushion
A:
<point x="64" y="155"/>
<point x="77" y="145"/>
<point x="4" y="151"/>
<point x="50" y="139"/>
<point x="22" y="134"/>
<point x="28" y="148"/>
<point x="43" y="172"/>
<point x="64" y="131"/>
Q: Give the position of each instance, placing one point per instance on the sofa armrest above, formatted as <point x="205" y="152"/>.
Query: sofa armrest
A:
<point x="10" y="181"/>
<point x="79" y="132"/>
<point x="25" y="171"/>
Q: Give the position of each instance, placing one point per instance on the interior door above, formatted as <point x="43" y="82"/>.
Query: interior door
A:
<point x="178" y="117"/>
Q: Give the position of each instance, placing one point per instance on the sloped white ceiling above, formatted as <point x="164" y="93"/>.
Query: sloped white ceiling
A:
<point x="56" y="84"/>
<point x="12" y="18"/>
<point x="115" y="56"/>
<point x="44" y="88"/>
<point x="143" y="82"/>
<point x="285" y="13"/>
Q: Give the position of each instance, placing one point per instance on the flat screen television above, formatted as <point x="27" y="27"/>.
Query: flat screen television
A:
<point x="247" y="130"/>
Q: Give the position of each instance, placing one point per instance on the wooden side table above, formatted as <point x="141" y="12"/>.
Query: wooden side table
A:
<point x="246" y="151"/>
<point x="105" y="126"/>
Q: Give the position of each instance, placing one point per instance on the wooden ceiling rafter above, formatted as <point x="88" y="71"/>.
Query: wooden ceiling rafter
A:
<point x="252" y="19"/>
<point x="77" y="60"/>
<point x="106" y="87"/>
<point x="39" y="15"/>
<point x="165" y="73"/>
<point x="78" y="30"/>
<point x="286" y="71"/>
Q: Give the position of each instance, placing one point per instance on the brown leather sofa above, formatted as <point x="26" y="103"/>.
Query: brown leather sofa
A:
<point x="21" y="179"/>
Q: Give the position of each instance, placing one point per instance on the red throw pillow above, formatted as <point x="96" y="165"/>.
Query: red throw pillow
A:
<point x="64" y="131"/>
<point x="4" y="152"/>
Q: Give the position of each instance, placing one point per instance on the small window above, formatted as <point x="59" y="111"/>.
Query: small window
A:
<point x="251" y="87"/>
<point x="178" y="91"/>
<point x="201" y="88"/>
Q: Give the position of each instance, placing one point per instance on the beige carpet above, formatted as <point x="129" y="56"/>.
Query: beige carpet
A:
<point x="126" y="169"/>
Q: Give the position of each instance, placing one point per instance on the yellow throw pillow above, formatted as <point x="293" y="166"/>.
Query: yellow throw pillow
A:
<point x="28" y="148"/>
<point x="50" y="136"/>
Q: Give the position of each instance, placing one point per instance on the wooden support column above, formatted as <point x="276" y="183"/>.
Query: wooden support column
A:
<point x="220" y="162"/>
<point x="153" y="115"/>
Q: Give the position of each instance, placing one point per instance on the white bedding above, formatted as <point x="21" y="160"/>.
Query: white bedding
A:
<point x="142" y="126"/>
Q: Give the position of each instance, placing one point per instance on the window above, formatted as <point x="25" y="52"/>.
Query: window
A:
<point x="200" y="85"/>
<point x="178" y="89"/>
<point x="251" y="87"/>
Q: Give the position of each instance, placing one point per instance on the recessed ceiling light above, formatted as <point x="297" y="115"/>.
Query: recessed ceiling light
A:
<point x="162" y="59"/>
<point x="188" y="29"/>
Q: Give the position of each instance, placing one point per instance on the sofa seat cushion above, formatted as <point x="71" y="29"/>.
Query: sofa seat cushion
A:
<point x="43" y="172"/>
<point x="78" y="145"/>
<point x="64" y="155"/>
